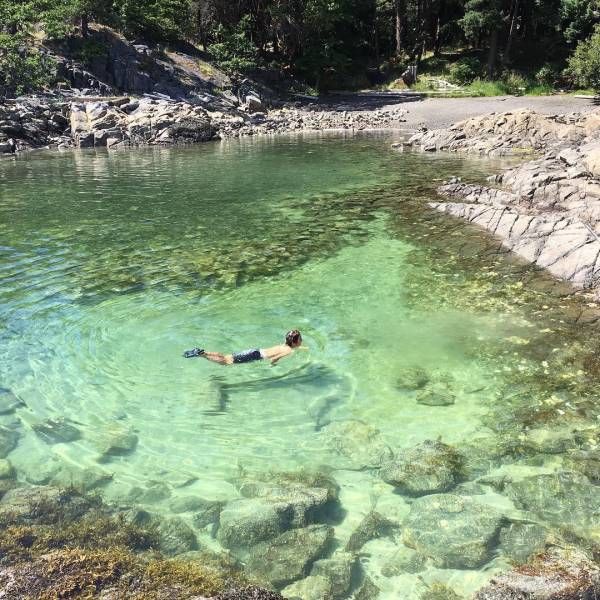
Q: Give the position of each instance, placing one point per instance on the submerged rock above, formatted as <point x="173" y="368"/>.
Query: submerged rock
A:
<point x="8" y="441"/>
<point x="289" y="556"/>
<point x="412" y="378"/>
<point x="313" y="587"/>
<point x="81" y="479"/>
<point x="367" y="590"/>
<point x="567" y="499"/>
<point x="519" y="541"/>
<point x="373" y="526"/>
<point x="358" y="445"/>
<point x="7" y="471"/>
<point x="558" y="574"/>
<point x="436" y="395"/>
<point x="175" y="536"/>
<point x="56" y="431"/>
<point x="208" y="514"/>
<point x="9" y="401"/>
<point x="337" y="570"/>
<point x="404" y="560"/>
<point x="456" y="532"/>
<point x="428" y="468"/>
<point x="115" y="440"/>
<point x="305" y="495"/>
<point x="250" y="520"/>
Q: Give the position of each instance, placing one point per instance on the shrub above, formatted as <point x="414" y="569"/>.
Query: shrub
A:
<point x="546" y="75"/>
<point x="234" y="51"/>
<point x="22" y="67"/>
<point x="514" y="83"/>
<point x="465" y="71"/>
<point x="584" y="64"/>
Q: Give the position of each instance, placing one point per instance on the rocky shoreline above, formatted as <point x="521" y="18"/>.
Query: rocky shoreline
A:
<point x="120" y="122"/>
<point x="547" y="209"/>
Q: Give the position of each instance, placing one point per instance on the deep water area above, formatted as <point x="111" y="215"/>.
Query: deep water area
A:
<point x="441" y="426"/>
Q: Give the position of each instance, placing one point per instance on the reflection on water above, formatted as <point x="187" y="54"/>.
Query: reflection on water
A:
<point x="417" y="328"/>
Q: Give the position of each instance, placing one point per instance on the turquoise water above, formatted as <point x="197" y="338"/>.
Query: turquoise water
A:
<point x="113" y="264"/>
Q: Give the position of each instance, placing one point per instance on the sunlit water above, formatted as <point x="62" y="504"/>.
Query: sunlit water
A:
<point x="111" y="265"/>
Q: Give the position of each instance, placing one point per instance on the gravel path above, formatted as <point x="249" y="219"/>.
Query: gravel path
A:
<point x="442" y="112"/>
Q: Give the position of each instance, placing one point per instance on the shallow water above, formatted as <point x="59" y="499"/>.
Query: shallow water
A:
<point x="112" y="264"/>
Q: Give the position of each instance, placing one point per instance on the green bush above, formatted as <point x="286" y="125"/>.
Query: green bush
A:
<point x="546" y="75"/>
<point x="234" y="51"/>
<point x="514" y="83"/>
<point x="22" y="67"/>
<point x="584" y="64"/>
<point x="465" y="71"/>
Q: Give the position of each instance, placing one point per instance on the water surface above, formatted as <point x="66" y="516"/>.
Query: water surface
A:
<point x="114" y="263"/>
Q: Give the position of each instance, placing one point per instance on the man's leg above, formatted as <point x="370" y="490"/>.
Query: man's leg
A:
<point x="217" y="357"/>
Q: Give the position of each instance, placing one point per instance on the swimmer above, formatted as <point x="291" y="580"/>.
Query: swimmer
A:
<point x="293" y="341"/>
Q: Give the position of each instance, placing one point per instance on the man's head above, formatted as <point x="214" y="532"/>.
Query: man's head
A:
<point x="293" y="338"/>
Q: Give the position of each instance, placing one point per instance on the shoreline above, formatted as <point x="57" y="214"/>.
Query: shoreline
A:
<point x="34" y="123"/>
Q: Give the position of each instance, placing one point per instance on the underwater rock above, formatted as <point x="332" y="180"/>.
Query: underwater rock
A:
<point x="404" y="560"/>
<point x="519" y="541"/>
<point x="436" y="395"/>
<point x="175" y="536"/>
<point x="56" y="431"/>
<point x="373" y="526"/>
<point x="427" y="468"/>
<point x="8" y="441"/>
<point x="156" y="491"/>
<point x="209" y="514"/>
<point x="83" y="480"/>
<point x="250" y="520"/>
<point x="558" y="574"/>
<point x="337" y="570"/>
<point x="289" y="556"/>
<point x="43" y="505"/>
<point x="9" y="402"/>
<point x="7" y="471"/>
<point x="302" y="504"/>
<point x="313" y="587"/>
<point x="115" y="440"/>
<point x="359" y="445"/>
<point x="367" y="591"/>
<point x="412" y="378"/>
<point x="551" y="441"/>
<point x="41" y="471"/>
<point x="456" y="532"/>
<point x="439" y="591"/>
<point x="6" y="485"/>
<point x="587" y="463"/>
<point x="565" y="498"/>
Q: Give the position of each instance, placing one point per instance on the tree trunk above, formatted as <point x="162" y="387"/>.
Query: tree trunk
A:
<point x="437" y="45"/>
<point x="399" y="10"/>
<point x="511" y="33"/>
<point x="84" y="24"/>
<point x="491" y="63"/>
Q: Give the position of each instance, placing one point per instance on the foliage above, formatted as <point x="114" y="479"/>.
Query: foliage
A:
<point x="546" y="75"/>
<point x="154" y="20"/>
<point x="465" y="70"/>
<point x="578" y="18"/>
<point x="235" y="51"/>
<point x="22" y="68"/>
<point x="584" y="65"/>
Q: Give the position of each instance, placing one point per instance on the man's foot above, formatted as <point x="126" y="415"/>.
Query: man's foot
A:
<point x="193" y="353"/>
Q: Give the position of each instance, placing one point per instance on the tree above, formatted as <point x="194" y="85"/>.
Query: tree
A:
<point x="584" y="65"/>
<point x="578" y="18"/>
<point x="484" y="17"/>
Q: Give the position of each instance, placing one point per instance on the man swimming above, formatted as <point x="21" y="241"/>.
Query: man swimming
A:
<point x="293" y="341"/>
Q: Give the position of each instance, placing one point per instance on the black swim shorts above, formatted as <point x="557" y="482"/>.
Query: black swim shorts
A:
<point x="247" y="356"/>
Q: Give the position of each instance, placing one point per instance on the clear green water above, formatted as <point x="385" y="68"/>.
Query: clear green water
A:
<point x="113" y="264"/>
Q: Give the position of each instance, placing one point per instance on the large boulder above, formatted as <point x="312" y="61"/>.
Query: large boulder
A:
<point x="519" y="541"/>
<point x="592" y="159"/>
<point x="566" y="498"/>
<point x="175" y="536"/>
<point x="561" y="573"/>
<point x="306" y="494"/>
<point x="356" y="444"/>
<point x="247" y="521"/>
<point x="289" y="556"/>
<point x="456" y="532"/>
<point x="115" y="440"/>
<point x="428" y="468"/>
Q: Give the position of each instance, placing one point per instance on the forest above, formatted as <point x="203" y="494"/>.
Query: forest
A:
<point x="330" y="43"/>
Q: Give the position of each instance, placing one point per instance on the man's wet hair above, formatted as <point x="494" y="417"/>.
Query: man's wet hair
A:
<point x="293" y="337"/>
